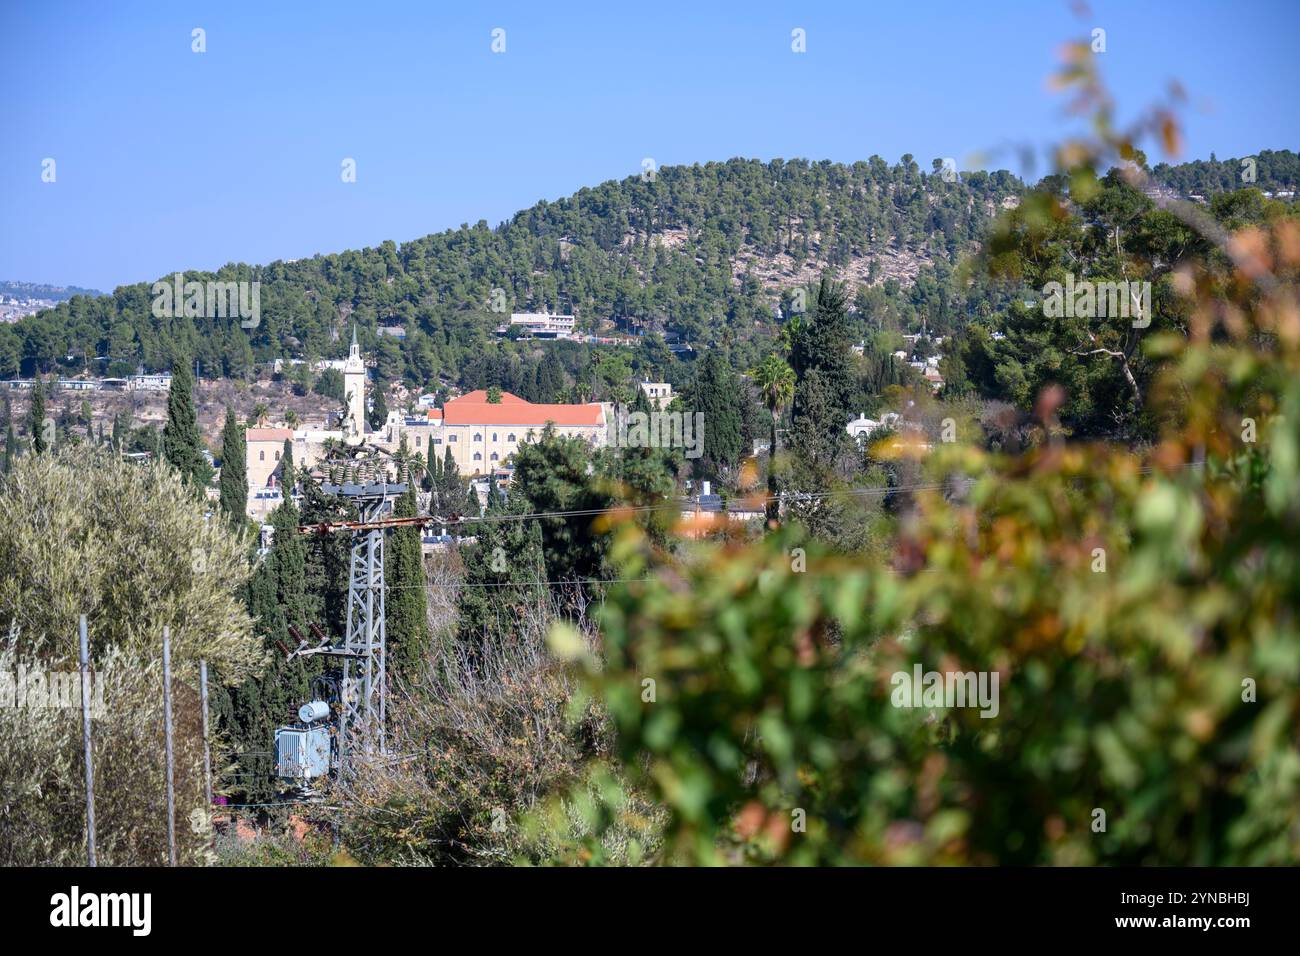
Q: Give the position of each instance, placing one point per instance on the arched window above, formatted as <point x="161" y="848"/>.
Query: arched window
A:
<point x="452" y="438"/>
<point x="261" y="455"/>
<point x="478" y="437"/>
<point x="494" y="436"/>
<point x="277" y="456"/>
<point x="510" y="437"/>
<point x="495" y="456"/>
<point x="478" y="456"/>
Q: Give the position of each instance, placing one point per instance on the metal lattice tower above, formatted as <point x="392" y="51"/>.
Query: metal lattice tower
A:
<point x="364" y="691"/>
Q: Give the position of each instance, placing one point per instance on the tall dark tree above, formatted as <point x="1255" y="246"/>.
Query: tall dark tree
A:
<point x="328" y="556"/>
<point x="825" y="343"/>
<point x="234" y="469"/>
<point x="643" y="477"/>
<point x="379" y="410"/>
<point x="551" y="382"/>
<point x="406" y="606"/>
<point x="11" y="439"/>
<point x="553" y="475"/>
<point x="714" y="394"/>
<point x="504" y="577"/>
<point x="121" y="431"/>
<point x="182" y="445"/>
<point x="775" y="381"/>
<point x="451" y="495"/>
<point x="277" y="597"/>
<point x="36" y="418"/>
<point x="288" y="477"/>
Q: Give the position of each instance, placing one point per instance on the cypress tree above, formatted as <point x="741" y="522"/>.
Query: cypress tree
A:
<point x="36" y="418"/>
<point x="287" y="475"/>
<point x="825" y="344"/>
<point x="504" y="574"/>
<point x="715" y="395"/>
<point x="11" y="445"/>
<point x="277" y="597"/>
<point x="550" y="378"/>
<point x="433" y="480"/>
<point x="450" y="494"/>
<point x="234" y="469"/>
<point x="379" y="412"/>
<point x="405" y="605"/>
<point x="120" y="426"/>
<point x="181" y="444"/>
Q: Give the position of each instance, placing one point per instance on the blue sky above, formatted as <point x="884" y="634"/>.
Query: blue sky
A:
<point x="170" y="160"/>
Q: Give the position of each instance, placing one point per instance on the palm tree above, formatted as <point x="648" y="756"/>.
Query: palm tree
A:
<point x="260" y="411"/>
<point x="775" y="380"/>
<point x="290" y="417"/>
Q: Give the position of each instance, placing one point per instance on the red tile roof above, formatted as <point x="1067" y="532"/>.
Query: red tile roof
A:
<point x="479" y="397"/>
<point x="474" y="409"/>
<point x="269" y="434"/>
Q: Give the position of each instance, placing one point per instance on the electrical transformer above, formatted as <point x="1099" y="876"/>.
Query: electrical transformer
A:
<point x="302" y="753"/>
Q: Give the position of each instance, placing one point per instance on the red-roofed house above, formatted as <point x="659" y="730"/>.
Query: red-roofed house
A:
<point x="483" y="434"/>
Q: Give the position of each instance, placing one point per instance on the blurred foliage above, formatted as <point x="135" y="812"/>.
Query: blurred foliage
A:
<point x="1137" y="606"/>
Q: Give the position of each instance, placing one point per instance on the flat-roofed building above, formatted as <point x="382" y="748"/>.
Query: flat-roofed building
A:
<point x="660" y="394"/>
<point x="541" y="325"/>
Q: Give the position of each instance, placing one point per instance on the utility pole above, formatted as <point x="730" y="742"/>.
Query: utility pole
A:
<point x="207" y="751"/>
<point x="167" y="733"/>
<point x="85" y="742"/>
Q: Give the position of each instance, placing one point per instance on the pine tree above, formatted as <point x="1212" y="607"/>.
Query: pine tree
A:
<point x="473" y="509"/>
<point x="181" y="443"/>
<point x="234" y="469"/>
<point x="405" y="604"/>
<point x="36" y="418"/>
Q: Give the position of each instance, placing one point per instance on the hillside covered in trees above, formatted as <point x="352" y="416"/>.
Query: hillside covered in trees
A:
<point x="703" y="253"/>
<point x="715" y="256"/>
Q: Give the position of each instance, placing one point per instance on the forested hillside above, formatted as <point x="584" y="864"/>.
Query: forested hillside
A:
<point x="1273" y="171"/>
<point x="706" y="254"/>
<point x="701" y="252"/>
